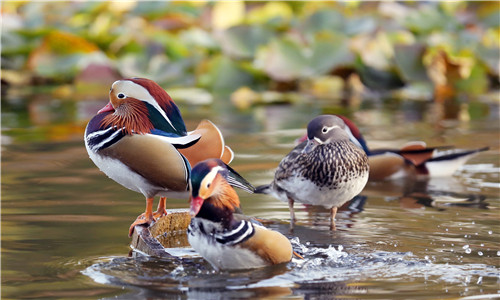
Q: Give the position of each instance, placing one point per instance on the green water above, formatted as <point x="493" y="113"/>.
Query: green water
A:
<point x="65" y="224"/>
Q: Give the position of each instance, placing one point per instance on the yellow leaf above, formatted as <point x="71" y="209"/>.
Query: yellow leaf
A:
<point x="244" y="97"/>
<point x="122" y="6"/>
<point x="270" y="10"/>
<point x="227" y="13"/>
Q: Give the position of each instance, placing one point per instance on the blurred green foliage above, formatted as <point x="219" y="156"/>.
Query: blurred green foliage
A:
<point x="446" y="47"/>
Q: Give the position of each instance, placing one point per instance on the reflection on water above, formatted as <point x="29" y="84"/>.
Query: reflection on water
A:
<point x="434" y="238"/>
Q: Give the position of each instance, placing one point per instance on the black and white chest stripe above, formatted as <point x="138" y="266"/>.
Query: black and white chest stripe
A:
<point x="98" y="138"/>
<point x="240" y="233"/>
<point x="101" y="139"/>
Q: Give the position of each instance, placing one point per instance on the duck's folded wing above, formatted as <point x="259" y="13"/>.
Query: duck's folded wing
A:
<point x="154" y="157"/>
<point x="385" y="165"/>
<point x="271" y="245"/>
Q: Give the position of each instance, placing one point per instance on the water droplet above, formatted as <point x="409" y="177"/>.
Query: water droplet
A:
<point x="480" y="253"/>
<point x="482" y="245"/>
<point x="465" y="247"/>
<point x="473" y="222"/>
<point x="426" y="257"/>
<point x="446" y="229"/>
<point x="498" y="253"/>
<point x="468" y="250"/>
<point x="490" y="232"/>
<point x="452" y="244"/>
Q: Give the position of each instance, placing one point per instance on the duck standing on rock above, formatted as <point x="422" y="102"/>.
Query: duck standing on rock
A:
<point x="228" y="240"/>
<point x="327" y="169"/>
<point x="139" y="140"/>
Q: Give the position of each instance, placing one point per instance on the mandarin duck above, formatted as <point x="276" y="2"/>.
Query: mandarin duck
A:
<point x="413" y="159"/>
<point x="327" y="169"/>
<point x="139" y="140"/>
<point x="226" y="239"/>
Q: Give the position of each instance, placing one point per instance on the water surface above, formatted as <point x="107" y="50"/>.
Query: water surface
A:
<point x="65" y="224"/>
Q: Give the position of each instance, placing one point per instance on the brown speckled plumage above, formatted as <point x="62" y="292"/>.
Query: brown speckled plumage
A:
<point x="327" y="165"/>
<point x="327" y="169"/>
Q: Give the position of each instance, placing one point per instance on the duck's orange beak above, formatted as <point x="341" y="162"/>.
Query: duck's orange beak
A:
<point x="196" y="204"/>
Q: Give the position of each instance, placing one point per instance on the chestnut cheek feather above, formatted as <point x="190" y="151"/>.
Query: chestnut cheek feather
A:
<point x="132" y="115"/>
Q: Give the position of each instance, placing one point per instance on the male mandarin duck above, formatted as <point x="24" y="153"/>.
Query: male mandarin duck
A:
<point x="413" y="159"/>
<point x="228" y="240"/>
<point x="139" y="140"/>
<point x="327" y="169"/>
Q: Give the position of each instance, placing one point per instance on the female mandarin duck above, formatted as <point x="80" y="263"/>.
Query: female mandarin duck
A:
<point x="327" y="169"/>
<point x="140" y="140"/>
<point x="225" y="239"/>
<point x="413" y="159"/>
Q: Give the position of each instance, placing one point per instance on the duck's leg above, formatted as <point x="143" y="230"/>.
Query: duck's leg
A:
<point x="292" y="212"/>
<point x="333" y="213"/>
<point x="161" y="211"/>
<point x="144" y="218"/>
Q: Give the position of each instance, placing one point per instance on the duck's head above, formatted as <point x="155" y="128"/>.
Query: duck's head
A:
<point x="352" y="131"/>
<point x="211" y="181"/>
<point x="325" y="129"/>
<point x="139" y="105"/>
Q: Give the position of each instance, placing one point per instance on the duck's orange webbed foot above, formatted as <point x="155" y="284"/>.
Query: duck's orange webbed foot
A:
<point x="141" y="220"/>
<point x="147" y="217"/>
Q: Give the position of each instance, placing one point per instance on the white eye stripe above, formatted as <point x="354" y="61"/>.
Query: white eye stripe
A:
<point x="327" y="129"/>
<point x="210" y="176"/>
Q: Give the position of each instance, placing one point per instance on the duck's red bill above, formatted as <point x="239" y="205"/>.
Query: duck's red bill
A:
<point x="196" y="204"/>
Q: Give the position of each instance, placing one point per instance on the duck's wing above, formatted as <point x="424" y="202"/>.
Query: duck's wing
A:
<point x="385" y="165"/>
<point x="270" y="245"/>
<point x="210" y="145"/>
<point x="445" y="163"/>
<point x="154" y="157"/>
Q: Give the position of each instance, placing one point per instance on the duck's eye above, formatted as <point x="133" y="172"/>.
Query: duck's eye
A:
<point x="120" y="95"/>
<point x="208" y="185"/>
<point x="325" y="130"/>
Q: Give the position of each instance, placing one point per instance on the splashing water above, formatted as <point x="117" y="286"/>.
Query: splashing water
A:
<point x="320" y="265"/>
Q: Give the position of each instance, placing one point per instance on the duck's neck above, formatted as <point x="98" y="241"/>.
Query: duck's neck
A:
<point x="217" y="214"/>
